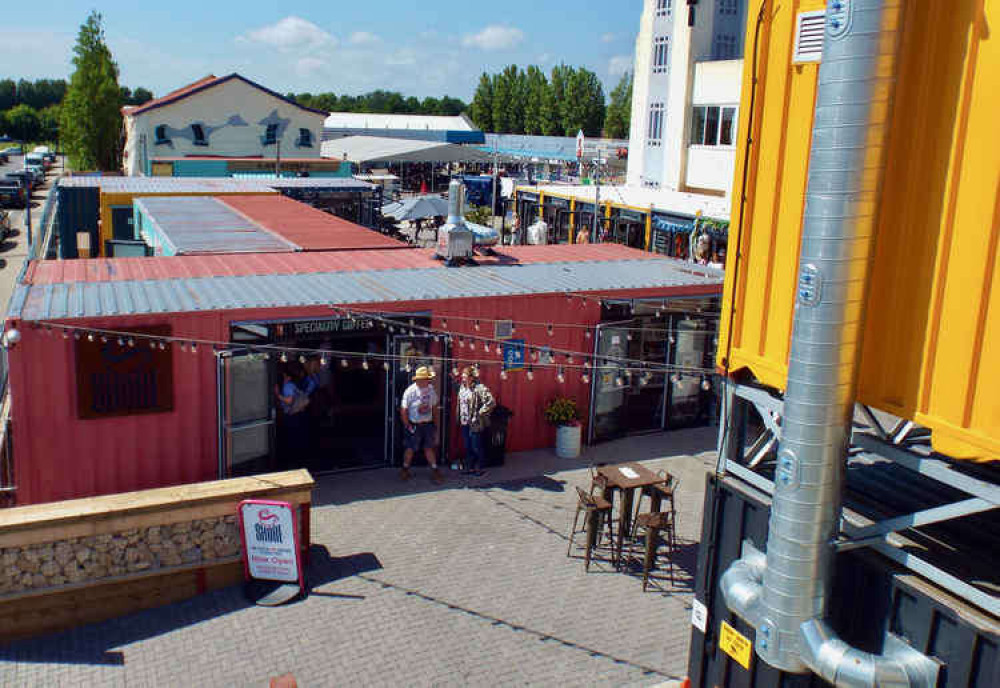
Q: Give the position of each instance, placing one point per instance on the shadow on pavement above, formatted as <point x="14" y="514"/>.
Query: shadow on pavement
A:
<point x="324" y="569"/>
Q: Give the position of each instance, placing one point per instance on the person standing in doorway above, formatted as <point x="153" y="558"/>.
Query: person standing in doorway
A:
<point x="419" y="412"/>
<point x="475" y="404"/>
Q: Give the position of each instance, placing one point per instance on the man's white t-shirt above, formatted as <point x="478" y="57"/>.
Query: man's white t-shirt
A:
<point x="420" y="403"/>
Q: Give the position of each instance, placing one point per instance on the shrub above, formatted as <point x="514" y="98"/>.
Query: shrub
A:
<point x="562" y="411"/>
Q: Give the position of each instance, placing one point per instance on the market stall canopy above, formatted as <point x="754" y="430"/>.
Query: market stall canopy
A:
<point x="417" y="208"/>
<point x="369" y="149"/>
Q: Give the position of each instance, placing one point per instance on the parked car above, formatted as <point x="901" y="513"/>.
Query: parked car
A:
<point x="38" y="171"/>
<point x="12" y="195"/>
<point x="21" y="177"/>
<point x="13" y="150"/>
<point x="5" y="227"/>
<point x="4" y="158"/>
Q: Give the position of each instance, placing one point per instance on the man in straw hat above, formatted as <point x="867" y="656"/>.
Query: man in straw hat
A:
<point x="419" y="412"/>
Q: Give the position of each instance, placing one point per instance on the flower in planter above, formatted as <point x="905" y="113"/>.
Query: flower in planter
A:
<point x="562" y="411"/>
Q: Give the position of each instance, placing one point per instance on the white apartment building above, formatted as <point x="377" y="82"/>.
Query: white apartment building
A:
<point x="685" y="98"/>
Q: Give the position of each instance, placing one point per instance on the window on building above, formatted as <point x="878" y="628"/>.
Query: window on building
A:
<point x="662" y="8"/>
<point x="661" y="54"/>
<point x="161" y="134"/>
<point x="305" y="139"/>
<point x="730" y="8"/>
<point x="198" y="134"/>
<point x="725" y="46"/>
<point x="713" y="125"/>
<point x="654" y="134"/>
<point x="271" y="135"/>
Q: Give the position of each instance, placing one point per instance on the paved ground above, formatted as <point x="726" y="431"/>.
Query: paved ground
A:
<point x="466" y="584"/>
<point x="14" y="249"/>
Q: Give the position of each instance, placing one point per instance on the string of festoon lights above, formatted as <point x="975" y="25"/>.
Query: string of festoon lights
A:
<point x="542" y="357"/>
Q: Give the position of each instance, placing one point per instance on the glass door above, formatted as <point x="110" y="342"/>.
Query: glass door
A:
<point x="409" y="352"/>
<point x="608" y="386"/>
<point x="689" y="403"/>
<point x="246" y="413"/>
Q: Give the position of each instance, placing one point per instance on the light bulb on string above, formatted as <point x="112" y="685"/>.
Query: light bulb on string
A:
<point x="385" y="365"/>
<point x="343" y="363"/>
<point x="104" y="339"/>
<point x="76" y="335"/>
<point x="560" y="376"/>
<point x="461" y="342"/>
<point x="364" y="364"/>
<point x="411" y="322"/>
<point x="675" y="378"/>
<point x="628" y="336"/>
<point x="163" y="346"/>
<point x="499" y="349"/>
<point x="503" y="374"/>
<point x="706" y="384"/>
<point x="587" y="333"/>
<point x="407" y="367"/>
<point x="454" y="370"/>
<point x="585" y="378"/>
<point x="323" y="361"/>
<point x="513" y="327"/>
<point x="90" y="337"/>
<point x="267" y="356"/>
<point x="531" y="373"/>
<point x="550" y="329"/>
<point x="121" y="341"/>
<point x="184" y="347"/>
<point x="569" y="359"/>
<point x="302" y="359"/>
<point x="486" y="347"/>
<point x="444" y="323"/>
<point x="284" y="357"/>
<point x="534" y="355"/>
<point x="476" y="325"/>
<point x="619" y="381"/>
<point x="194" y="347"/>
<point x="131" y="342"/>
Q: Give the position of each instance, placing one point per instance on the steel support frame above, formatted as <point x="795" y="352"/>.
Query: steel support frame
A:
<point x="881" y="536"/>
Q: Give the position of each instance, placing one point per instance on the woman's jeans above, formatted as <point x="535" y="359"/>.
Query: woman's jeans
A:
<point x="473" y="448"/>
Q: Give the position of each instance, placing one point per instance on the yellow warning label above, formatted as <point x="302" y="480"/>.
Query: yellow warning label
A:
<point x="735" y="644"/>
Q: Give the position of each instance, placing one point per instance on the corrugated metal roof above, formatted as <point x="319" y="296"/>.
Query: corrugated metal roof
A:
<point x="306" y="227"/>
<point x="126" y="269"/>
<point x="316" y="183"/>
<point x="663" y="200"/>
<point x="190" y="225"/>
<point x="88" y="300"/>
<point x="362" y="149"/>
<point x="373" y="120"/>
<point x="163" y="185"/>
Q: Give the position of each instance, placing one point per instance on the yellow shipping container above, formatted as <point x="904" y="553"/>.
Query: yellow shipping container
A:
<point x="931" y="348"/>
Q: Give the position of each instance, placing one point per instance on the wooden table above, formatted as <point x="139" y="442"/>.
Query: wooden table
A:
<point x="628" y="485"/>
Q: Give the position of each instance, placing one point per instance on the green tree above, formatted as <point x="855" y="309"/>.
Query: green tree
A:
<point x="555" y="102"/>
<point x="535" y="103"/>
<point x="22" y="123"/>
<point x="481" y="109"/>
<point x="508" y="101"/>
<point x="619" y="115"/>
<point x="583" y="103"/>
<point x="90" y="118"/>
<point x="452" y="106"/>
<point x="141" y="95"/>
<point x="8" y="94"/>
<point x="48" y="122"/>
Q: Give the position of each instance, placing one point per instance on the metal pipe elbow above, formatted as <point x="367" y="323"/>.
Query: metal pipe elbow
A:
<point x="742" y="585"/>
<point x="900" y="666"/>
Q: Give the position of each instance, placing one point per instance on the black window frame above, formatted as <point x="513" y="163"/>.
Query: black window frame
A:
<point x="271" y="135"/>
<point x="198" y="137"/>
<point x="160" y="134"/>
<point x="305" y="138"/>
<point x="712" y="125"/>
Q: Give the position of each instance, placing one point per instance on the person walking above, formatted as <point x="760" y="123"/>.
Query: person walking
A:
<point x="475" y="404"/>
<point x="419" y="412"/>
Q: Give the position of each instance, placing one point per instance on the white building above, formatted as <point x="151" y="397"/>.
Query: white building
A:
<point x="685" y="99"/>
<point x="215" y="119"/>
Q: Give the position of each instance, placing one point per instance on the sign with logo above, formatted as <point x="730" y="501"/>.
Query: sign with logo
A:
<point x="270" y="541"/>
<point x="699" y="615"/>
<point x="113" y="379"/>
<point x="307" y="329"/>
<point x="513" y="354"/>
<point x="735" y="644"/>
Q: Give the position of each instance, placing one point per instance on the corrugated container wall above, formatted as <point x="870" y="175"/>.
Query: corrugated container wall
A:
<point x="931" y="348"/>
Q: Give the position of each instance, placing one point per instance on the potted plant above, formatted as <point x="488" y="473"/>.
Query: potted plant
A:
<point x="563" y="413"/>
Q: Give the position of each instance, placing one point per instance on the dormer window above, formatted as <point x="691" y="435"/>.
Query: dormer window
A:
<point x="198" y="133"/>
<point x="305" y="139"/>
<point x="271" y="135"/>
<point x="161" y="135"/>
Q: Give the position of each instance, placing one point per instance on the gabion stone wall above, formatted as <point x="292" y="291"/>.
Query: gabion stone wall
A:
<point x="98" y="557"/>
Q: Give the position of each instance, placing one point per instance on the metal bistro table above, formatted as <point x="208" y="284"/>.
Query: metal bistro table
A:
<point x="627" y="477"/>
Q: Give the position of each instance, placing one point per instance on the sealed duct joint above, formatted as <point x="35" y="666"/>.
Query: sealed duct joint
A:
<point x="741" y="584"/>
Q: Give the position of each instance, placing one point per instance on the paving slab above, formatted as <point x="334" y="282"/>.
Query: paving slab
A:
<point x="416" y="584"/>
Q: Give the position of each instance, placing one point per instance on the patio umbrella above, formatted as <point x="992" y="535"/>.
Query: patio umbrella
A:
<point x="419" y="208"/>
<point x="391" y="208"/>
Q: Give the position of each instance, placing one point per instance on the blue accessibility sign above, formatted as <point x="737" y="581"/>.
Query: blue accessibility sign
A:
<point x="513" y="354"/>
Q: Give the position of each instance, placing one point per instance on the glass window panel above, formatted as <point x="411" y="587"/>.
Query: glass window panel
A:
<point x="698" y="127"/>
<point x="728" y="132"/>
<point x="712" y="126"/>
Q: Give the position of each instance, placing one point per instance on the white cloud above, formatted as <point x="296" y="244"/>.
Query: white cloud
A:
<point x="363" y="38"/>
<point x="619" y="64"/>
<point x="291" y="32"/>
<point x="609" y="38"/>
<point x="494" y="37"/>
<point x="307" y="66"/>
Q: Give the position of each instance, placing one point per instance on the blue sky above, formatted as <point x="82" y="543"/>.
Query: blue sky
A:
<point x="428" y="47"/>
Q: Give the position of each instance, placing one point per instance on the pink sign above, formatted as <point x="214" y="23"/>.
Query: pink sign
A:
<point x="270" y="541"/>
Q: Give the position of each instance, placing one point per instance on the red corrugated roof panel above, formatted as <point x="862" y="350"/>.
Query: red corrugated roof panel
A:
<point x="307" y="227"/>
<point x="173" y="267"/>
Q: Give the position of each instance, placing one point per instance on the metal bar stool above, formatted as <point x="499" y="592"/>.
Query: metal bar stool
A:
<point x="656" y="524"/>
<point x="659" y="493"/>
<point x="595" y="509"/>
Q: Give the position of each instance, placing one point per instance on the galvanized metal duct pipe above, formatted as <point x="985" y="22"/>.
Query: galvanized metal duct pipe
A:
<point x="846" y="166"/>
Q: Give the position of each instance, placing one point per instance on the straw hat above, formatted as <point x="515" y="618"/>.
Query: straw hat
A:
<point x="423" y="373"/>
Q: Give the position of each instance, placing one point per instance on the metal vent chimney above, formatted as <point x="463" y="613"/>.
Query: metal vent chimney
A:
<point x="454" y="237"/>
<point x="786" y="597"/>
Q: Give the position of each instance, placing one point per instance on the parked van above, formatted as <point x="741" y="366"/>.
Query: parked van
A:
<point x="34" y="159"/>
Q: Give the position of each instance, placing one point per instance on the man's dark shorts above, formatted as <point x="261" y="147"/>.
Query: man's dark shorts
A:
<point x="424" y="436"/>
